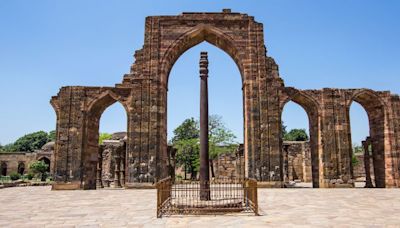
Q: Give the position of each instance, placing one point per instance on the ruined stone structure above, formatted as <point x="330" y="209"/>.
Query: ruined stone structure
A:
<point x="111" y="168"/>
<point x="297" y="161"/>
<point x="18" y="162"/>
<point x="143" y="93"/>
<point x="230" y="165"/>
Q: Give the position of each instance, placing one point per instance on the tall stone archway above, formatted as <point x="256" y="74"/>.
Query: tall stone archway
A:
<point x="375" y="109"/>
<point x="312" y="108"/>
<point x="241" y="37"/>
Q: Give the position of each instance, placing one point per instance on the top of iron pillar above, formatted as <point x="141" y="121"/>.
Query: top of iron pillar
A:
<point x="203" y="64"/>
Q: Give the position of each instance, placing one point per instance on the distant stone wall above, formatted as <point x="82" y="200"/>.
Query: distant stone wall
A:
<point x="19" y="162"/>
<point x="298" y="161"/>
<point x="229" y="165"/>
<point x="297" y="168"/>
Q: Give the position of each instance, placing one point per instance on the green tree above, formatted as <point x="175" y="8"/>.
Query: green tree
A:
<point x="189" y="129"/>
<point x="39" y="167"/>
<point x="7" y="148"/>
<point x="187" y="155"/>
<point x="186" y="141"/>
<point x="220" y="139"/>
<point x="51" y="136"/>
<point x="30" y="142"/>
<point x="296" y="135"/>
<point x="104" y="136"/>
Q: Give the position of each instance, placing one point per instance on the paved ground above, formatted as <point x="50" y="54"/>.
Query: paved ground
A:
<point x="40" y="207"/>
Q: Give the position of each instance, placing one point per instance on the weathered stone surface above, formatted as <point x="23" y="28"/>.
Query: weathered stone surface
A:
<point x="297" y="156"/>
<point x="230" y="165"/>
<point x="143" y="93"/>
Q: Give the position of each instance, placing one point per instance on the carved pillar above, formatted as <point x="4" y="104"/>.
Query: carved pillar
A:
<point x="286" y="163"/>
<point x="99" y="183"/>
<point x="122" y="165"/>
<point x="367" y="166"/>
<point x="117" y="178"/>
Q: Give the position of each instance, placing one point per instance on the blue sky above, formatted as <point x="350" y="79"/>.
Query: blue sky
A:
<point x="48" y="44"/>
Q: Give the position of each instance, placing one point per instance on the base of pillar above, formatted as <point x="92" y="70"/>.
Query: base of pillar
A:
<point x="139" y="186"/>
<point x="270" y="184"/>
<point x="66" y="186"/>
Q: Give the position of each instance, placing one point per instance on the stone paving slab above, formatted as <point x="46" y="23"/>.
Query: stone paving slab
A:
<point x="41" y="207"/>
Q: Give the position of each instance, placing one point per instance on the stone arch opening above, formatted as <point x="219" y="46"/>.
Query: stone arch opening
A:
<point x="3" y="168"/>
<point x="91" y="155"/>
<point x="296" y="146"/>
<point x="21" y="168"/>
<point x="197" y="35"/>
<point x="375" y="110"/>
<point x="310" y="106"/>
<point x="47" y="162"/>
<point x="184" y="82"/>
<point x="222" y="41"/>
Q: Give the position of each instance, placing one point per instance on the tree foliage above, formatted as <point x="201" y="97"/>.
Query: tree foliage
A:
<point x="104" y="136"/>
<point x="52" y="136"/>
<point x="29" y="142"/>
<point x="39" y="167"/>
<point x="296" y="135"/>
<point x="220" y="139"/>
<point x="186" y="141"/>
<point x="189" y="129"/>
<point x="188" y="155"/>
<point x="15" y="176"/>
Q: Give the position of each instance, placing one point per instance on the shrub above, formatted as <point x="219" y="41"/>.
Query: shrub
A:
<point x="29" y="176"/>
<point x="39" y="167"/>
<point x="15" y="176"/>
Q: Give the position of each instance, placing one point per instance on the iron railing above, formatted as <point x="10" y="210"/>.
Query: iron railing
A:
<point x="226" y="196"/>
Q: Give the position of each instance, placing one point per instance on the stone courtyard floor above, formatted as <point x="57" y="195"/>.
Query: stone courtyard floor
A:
<point x="41" y="207"/>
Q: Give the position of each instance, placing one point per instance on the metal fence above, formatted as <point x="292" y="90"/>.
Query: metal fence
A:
<point x="226" y="196"/>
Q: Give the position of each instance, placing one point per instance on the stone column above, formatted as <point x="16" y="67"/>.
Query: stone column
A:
<point x="204" y="161"/>
<point x="286" y="163"/>
<point x="99" y="182"/>
<point x="117" y="182"/>
<point x="122" y="165"/>
<point x="367" y="157"/>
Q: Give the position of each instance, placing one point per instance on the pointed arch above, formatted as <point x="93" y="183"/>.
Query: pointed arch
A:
<point x="376" y="111"/>
<point x="90" y="153"/>
<point x="103" y="101"/>
<point x="313" y="110"/>
<point x="194" y="36"/>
